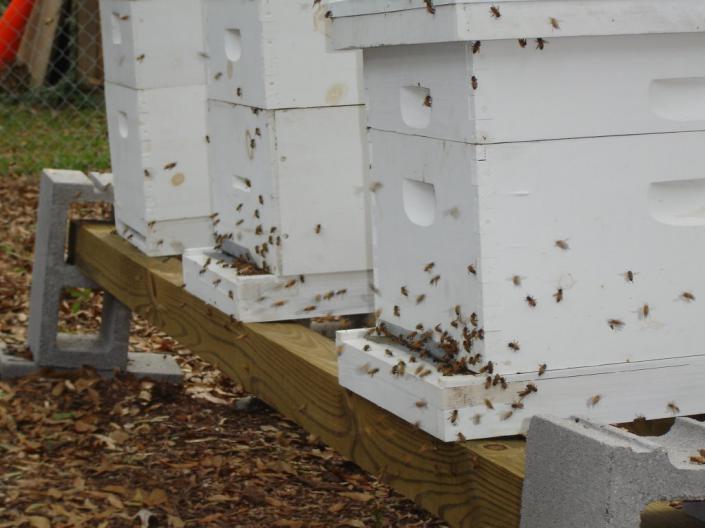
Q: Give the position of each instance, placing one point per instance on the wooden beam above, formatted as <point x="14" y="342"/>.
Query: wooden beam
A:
<point x="471" y="484"/>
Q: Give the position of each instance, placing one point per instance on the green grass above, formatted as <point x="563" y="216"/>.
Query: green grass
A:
<point x="35" y="137"/>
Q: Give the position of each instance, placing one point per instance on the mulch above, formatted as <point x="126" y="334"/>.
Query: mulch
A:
<point x="78" y="450"/>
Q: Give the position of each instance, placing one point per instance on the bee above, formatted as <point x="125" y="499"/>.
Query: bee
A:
<point x="122" y="17"/>
<point x="375" y="186"/>
<point x="217" y="76"/>
<point x="530" y="388"/>
<point x="472" y="270"/>
<point x="374" y="289"/>
<point x="430" y="7"/>
<point x="558" y="295"/>
<point x="514" y="345"/>
<point x="494" y="11"/>
<point x="542" y="369"/>
<point x="420" y="298"/>
<point x="476" y="47"/>
<point x="341" y="292"/>
<point x="541" y="43"/>
<point x="453" y="417"/>
<point x="388" y="353"/>
<point x="258" y="132"/>
<point x="425" y="373"/>
<point x="309" y="308"/>
<point x="531" y="301"/>
<point x="629" y="276"/>
<point x="152" y="224"/>
<point x="302" y="279"/>
<point x="422" y="404"/>
<point x="404" y="291"/>
<point x="367" y="348"/>
<point x="615" y="324"/>
<point x="516" y="280"/>
<point x="208" y="139"/>
<point x="473" y="319"/>
<point x="290" y="284"/>
<point x="253" y="143"/>
<point x="644" y="311"/>
<point x="246" y="181"/>
<point x="147" y="174"/>
<point x="461" y="437"/>
<point x="238" y="92"/>
<point x="372" y="372"/>
<point x="429" y="266"/>
<point x="428" y="101"/>
<point x="140" y="58"/>
<point x="562" y="244"/>
<point x="474" y="82"/>
<point x="397" y="311"/>
<point x="488" y="383"/>
<point x="506" y="416"/>
<point x="329" y="295"/>
<point x="160" y="242"/>
<point x="240" y="222"/>
<point x="239" y="207"/>
<point x="477" y="419"/>
<point x="688" y="297"/>
<point x="517" y="406"/>
<point x="698" y="459"/>
<point x="256" y="213"/>
<point x="522" y="43"/>
<point x="594" y="400"/>
<point x="170" y="166"/>
<point x="489" y="404"/>
<point x="673" y="408"/>
<point x="231" y="295"/>
<point x="555" y="23"/>
<point x="434" y="280"/>
<point x="216" y="282"/>
<point x="318" y="228"/>
<point x="258" y="230"/>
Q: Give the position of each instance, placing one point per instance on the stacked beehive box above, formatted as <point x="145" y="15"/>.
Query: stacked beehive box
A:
<point x="156" y="108"/>
<point x="538" y="223"/>
<point x="288" y="166"/>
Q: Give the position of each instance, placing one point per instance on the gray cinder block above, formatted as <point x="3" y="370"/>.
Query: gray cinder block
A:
<point x="105" y="351"/>
<point x="587" y="475"/>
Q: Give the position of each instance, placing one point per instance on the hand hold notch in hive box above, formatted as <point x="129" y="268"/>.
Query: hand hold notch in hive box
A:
<point x="545" y="267"/>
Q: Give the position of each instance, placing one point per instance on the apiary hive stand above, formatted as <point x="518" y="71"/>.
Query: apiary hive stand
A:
<point x="538" y="213"/>
<point x="156" y="111"/>
<point x="288" y="164"/>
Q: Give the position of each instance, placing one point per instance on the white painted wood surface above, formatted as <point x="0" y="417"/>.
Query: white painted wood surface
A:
<point x="260" y="298"/>
<point x="607" y="393"/>
<point x="273" y="54"/>
<point x="361" y="24"/>
<point x="279" y="174"/>
<point x="574" y="87"/>
<point x="160" y="163"/>
<point x="630" y="203"/>
<point x="153" y="43"/>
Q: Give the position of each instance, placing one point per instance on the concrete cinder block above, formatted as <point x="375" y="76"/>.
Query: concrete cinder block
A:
<point x="51" y="275"/>
<point x="579" y="473"/>
<point x="106" y="351"/>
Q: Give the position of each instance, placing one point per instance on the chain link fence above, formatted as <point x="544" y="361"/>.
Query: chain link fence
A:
<point x="51" y="87"/>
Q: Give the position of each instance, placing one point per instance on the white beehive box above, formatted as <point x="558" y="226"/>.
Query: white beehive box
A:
<point x="289" y="192"/>
<point x="272" y="54"/>
<point x="159" y="157"/>
<point x="153" y="43"/>
<point x="538" y="211"/>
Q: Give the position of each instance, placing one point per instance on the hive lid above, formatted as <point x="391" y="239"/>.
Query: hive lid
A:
<point x="370" y="23"/>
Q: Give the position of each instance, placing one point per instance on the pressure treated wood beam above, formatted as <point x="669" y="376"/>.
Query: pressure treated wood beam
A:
<point x="293" y="369"/>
